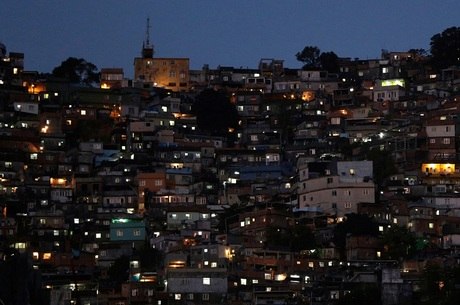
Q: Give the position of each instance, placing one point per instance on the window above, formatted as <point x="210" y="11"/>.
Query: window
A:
<point x="137" y="232"/>
<point x="446" y="141"/>
<point x="177" y="296"/>
<point x="334" y="193"/>
<point x="347" y="205"/>
<point x="135" y="292"/>
<point x="206" y="281"/>
<point x="119" y="233"/>
<point x="205" y="297"/>
<point x="190" y="296"/>
<point x="98" y="235"/>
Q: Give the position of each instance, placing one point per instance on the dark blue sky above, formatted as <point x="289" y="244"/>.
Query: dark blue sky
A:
<point x="109" y="33"/>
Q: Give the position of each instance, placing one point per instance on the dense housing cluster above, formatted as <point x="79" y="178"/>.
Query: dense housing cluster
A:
<point x="329" y="185"/>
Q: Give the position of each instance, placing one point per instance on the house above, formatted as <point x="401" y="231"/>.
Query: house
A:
<point x="336" y="187"/>
<point x="200" y="285"/>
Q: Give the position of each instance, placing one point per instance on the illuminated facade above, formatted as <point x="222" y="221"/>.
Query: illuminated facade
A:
<point x="111" y="78"/>
<point x="168" y="73"/>
<point x="441" y="135"/>
<point x="336" y="188"/>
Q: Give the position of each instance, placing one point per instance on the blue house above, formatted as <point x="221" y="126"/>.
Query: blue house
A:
<point x="127" y="229"/>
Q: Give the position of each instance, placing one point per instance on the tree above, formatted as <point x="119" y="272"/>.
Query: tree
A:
<point x="418" y="52"/>
<point x="383" y="164"/>
<point x="78" y="71"/>
<point x="118" y="272"/>
<point x="329" y="61"/>
<point x="399" y="243"/>
<point x="363" y="293"/>
<point x="438" y="285"/>
<point x="309" y="56"/>
<point x="294" y="238"/>
<point x="355" y="224"/>
<point x="214" y="112"/>
<point x="445" y="48"/>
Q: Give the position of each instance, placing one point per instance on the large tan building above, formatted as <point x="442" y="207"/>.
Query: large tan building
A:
<point x="336" y="187"/>
<point x="168" y="73"/>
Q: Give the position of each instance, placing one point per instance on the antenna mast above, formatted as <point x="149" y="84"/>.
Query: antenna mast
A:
<point x="147" y="48"/>
<point x="147" y="33"/>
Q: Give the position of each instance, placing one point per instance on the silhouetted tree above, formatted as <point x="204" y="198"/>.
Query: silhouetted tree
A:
<point x="214" y="112"/>
<point x="355" y="224"/>
<point x="418" y="52"/>
<point x="399" y="243"/>
<point x="445" y="48"/>
<point x="119" y="271"/>
<point x="438" y="285"/>
<point x="368" y="294"/>
<point x="309" y="56"/>
<point x="329" y="61"/>
<point x="383" y="164"/>
<point x="295" y="238"/>
<point x="77" y="70"/>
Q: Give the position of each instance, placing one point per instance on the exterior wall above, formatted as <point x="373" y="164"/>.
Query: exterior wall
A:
<point x="176" y="219"/>
<point x="441" y="139"/>
<point x="151" y="182"/>
<point x="127" y="230"/>
<point x="338" y="194"/>
<point x="196" y="281"/>
<point x="169" y="73"/>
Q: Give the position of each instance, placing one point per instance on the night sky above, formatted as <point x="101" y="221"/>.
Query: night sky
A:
<point x="109" y="33"/>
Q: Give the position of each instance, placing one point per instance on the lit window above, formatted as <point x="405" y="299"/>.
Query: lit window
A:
<point x="98" y="235"/>
<point x="206" y="281"/>
<point x="177" y="296"/>
<point x="83" y="112"/>
<point x="213" y="265"/>
<point x="244" y="282"/>
<point x="431" y="225"/>
<point x="380" y="228"/>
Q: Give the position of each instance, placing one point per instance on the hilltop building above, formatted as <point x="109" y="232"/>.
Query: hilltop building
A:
<point x="167" y="72"/>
